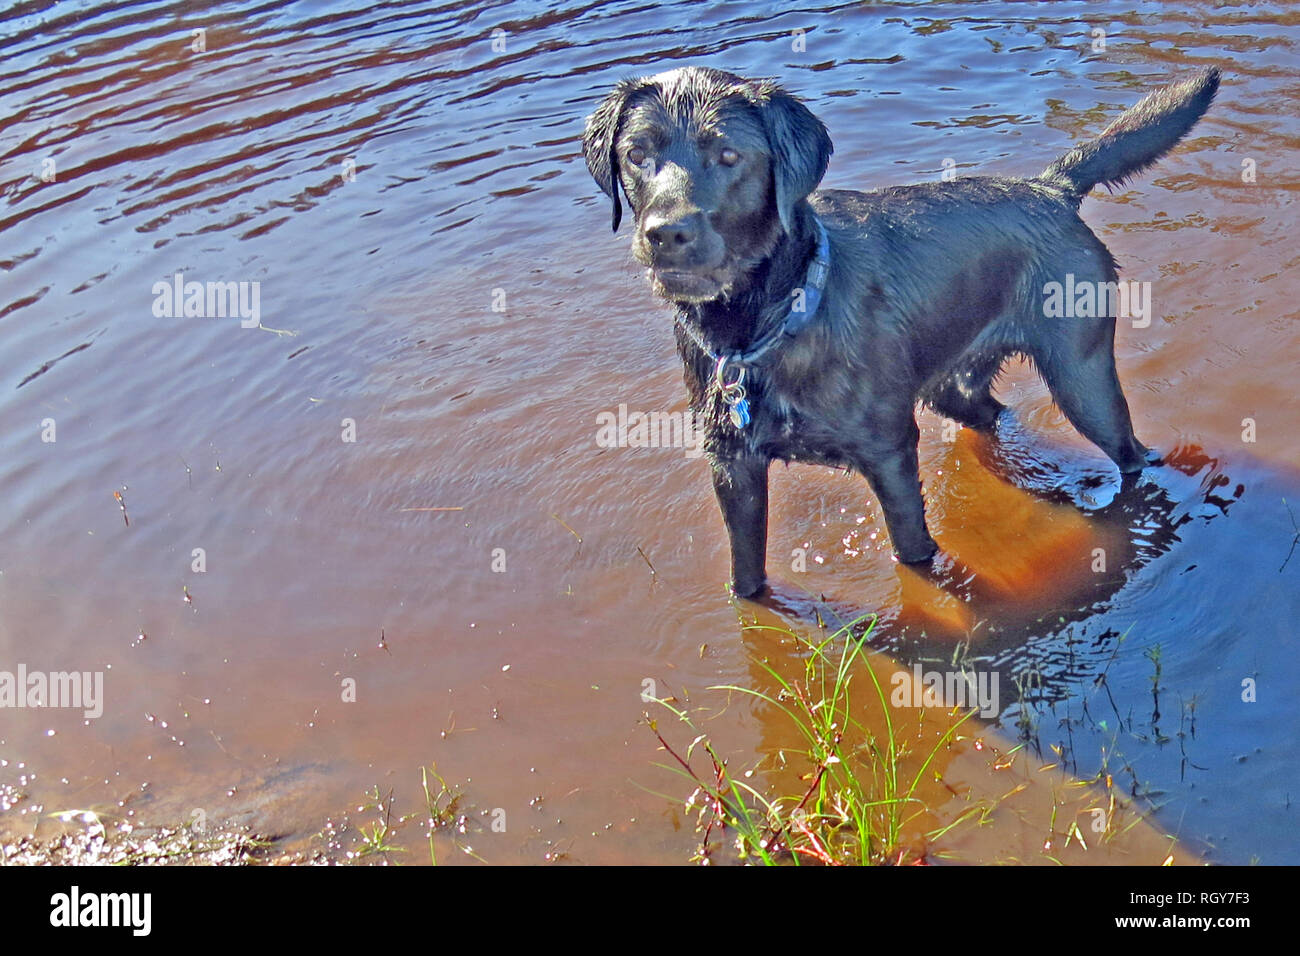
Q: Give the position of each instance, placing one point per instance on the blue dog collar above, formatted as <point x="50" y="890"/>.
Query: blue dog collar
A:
<point x="814" y="284"/>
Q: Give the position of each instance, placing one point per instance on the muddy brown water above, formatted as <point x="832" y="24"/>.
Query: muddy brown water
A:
<point x="407" y="446"/>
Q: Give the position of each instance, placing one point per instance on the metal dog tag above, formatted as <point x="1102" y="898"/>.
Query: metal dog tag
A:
<point x="733" y="393"/>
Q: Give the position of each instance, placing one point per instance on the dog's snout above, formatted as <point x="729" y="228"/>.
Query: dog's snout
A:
<point x="673" y="235"/>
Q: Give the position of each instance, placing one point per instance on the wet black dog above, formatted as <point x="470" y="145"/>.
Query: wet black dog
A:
<point x="811" y="323"/>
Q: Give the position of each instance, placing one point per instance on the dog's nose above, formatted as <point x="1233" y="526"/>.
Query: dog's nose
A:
<point x="671" y="236"/>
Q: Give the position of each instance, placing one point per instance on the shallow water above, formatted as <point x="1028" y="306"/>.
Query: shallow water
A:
<point x="438" y="283"/>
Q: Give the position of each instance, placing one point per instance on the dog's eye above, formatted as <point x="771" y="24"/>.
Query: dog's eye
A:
<point x="729" y="157"/>
<point x="636" y="155"/>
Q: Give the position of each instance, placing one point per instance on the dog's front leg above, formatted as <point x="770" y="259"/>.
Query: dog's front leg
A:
<point x="894" y="477"/>
<point x="741" y="487"/>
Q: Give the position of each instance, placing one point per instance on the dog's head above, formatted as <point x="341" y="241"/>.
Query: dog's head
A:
<point x="713" y="167"/>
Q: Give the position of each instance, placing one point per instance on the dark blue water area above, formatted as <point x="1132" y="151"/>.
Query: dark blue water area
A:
<point x="1176" y="672"/>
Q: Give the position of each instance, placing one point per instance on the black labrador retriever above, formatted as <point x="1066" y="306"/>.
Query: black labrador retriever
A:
<point x="811" y="322"/>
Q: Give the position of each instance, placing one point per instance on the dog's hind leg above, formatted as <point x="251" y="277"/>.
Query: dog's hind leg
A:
<point x="1079" y="369"/>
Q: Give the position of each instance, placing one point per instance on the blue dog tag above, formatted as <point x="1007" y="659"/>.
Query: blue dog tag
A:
<point x="740" y="413"/>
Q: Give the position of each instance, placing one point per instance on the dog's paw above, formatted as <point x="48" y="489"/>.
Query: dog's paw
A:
<point x="918" y="554"/>
<point x="749" y="590"/>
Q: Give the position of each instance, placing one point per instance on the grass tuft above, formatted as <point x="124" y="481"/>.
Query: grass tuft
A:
<point x="856" y="801"/>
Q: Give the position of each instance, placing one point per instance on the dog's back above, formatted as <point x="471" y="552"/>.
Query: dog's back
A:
<point x="993" y="250"/>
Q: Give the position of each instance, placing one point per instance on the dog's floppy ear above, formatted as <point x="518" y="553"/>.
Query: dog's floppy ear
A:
<point x="598" y="142"/>
<point x="801" y="147"/>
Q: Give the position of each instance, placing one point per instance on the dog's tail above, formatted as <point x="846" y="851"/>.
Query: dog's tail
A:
<point x="1140" y="136"/>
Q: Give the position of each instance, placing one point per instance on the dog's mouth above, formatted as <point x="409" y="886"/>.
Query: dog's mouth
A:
<point x="683" y="285"/>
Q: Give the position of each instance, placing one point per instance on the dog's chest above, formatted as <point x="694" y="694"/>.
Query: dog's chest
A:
<point x="777" y="428"/>
<point x="796" y="410"/>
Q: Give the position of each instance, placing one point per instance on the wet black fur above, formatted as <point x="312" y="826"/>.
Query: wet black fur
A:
<point x="932" y="286"/>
